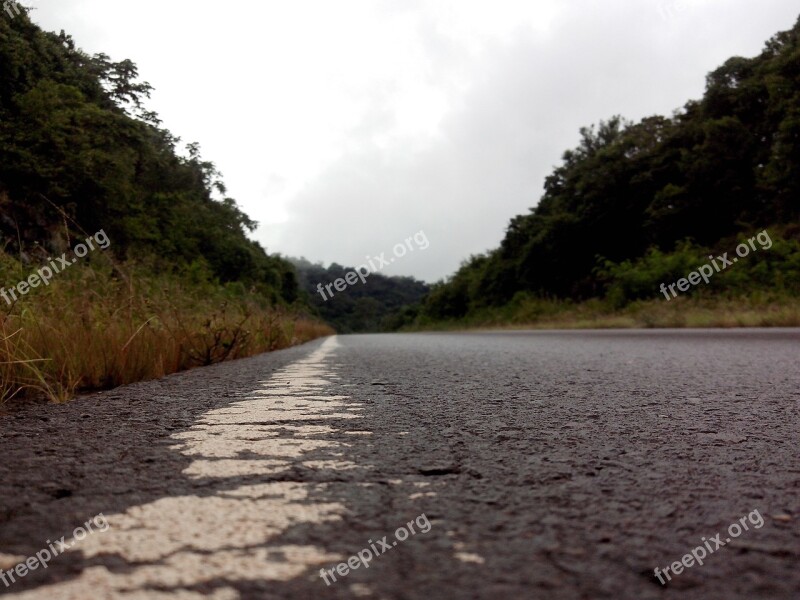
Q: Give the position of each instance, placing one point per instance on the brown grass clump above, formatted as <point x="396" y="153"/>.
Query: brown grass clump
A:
<point x="95" y="327"/>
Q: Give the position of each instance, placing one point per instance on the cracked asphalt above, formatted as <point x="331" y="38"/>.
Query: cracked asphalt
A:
<point x="547" y="464"/>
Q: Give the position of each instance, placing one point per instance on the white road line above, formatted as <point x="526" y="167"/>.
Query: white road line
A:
<point x="180" y="542"/>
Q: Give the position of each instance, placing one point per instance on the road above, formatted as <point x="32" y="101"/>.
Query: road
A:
<point x="466" y="465"/>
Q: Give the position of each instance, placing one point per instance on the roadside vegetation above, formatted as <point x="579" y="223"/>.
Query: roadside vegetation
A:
<point x="181" y="283"/>
<point x="99" y="325"/>
<point x="527" y="312"/>
<point x="635" y="205"/>
<point x="761" y="290"/>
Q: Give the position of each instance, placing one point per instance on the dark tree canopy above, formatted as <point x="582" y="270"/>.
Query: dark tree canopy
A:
<point x="726" y="164"/>
<point x="78" y="147"/>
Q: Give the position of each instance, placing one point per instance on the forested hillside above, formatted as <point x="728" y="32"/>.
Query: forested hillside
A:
<point x="380" y="304"/>
<point x="638" y="204"/>
<point x="176" y="282"/>
<point x="77" y="141"/>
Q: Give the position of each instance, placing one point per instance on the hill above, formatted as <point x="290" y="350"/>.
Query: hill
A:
<point x="161" y="273"/>
<point x="637" y="205"/>
<point x="379" y="303"/>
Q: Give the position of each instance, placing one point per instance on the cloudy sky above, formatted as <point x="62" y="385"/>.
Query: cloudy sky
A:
<point x="346" y="127"/>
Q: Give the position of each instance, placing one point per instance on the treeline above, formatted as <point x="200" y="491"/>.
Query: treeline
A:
<point x="636" y="203"/>
<point x="79" y="152"/>
<point x="381" y="304"/>
<point x="179" y="285"/>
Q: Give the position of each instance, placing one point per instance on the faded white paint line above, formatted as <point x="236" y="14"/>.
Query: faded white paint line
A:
<point x="180" y="542"/>
<point x="467" y="557"/>
<point x="418" y="495"/>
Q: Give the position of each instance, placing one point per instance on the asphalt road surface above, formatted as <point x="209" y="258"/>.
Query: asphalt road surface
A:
<point x="478" y="465"/>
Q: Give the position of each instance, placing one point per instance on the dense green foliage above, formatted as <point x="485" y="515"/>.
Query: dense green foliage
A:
<point x="381" y="304"/>
<point x="79" y="152"/>
<point x="776" y="269"/>
<point x="615" y="210"/>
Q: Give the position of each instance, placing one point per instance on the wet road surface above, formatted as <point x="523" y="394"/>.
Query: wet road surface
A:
<point x="474" y="465"/>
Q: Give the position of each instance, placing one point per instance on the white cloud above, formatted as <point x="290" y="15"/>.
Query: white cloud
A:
<point x="346" y="127"/>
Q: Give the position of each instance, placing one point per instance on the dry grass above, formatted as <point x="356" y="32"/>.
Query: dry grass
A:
<point x="96" y="327"/>
<point x="752" y="311"/>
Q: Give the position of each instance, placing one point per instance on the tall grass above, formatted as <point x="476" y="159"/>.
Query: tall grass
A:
<point x="758" y="309"/>
<point x="99" y="325"/>
<point x="762" y="290"/>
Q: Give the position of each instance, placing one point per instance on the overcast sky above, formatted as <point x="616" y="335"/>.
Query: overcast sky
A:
<point x="344" y="127"/>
